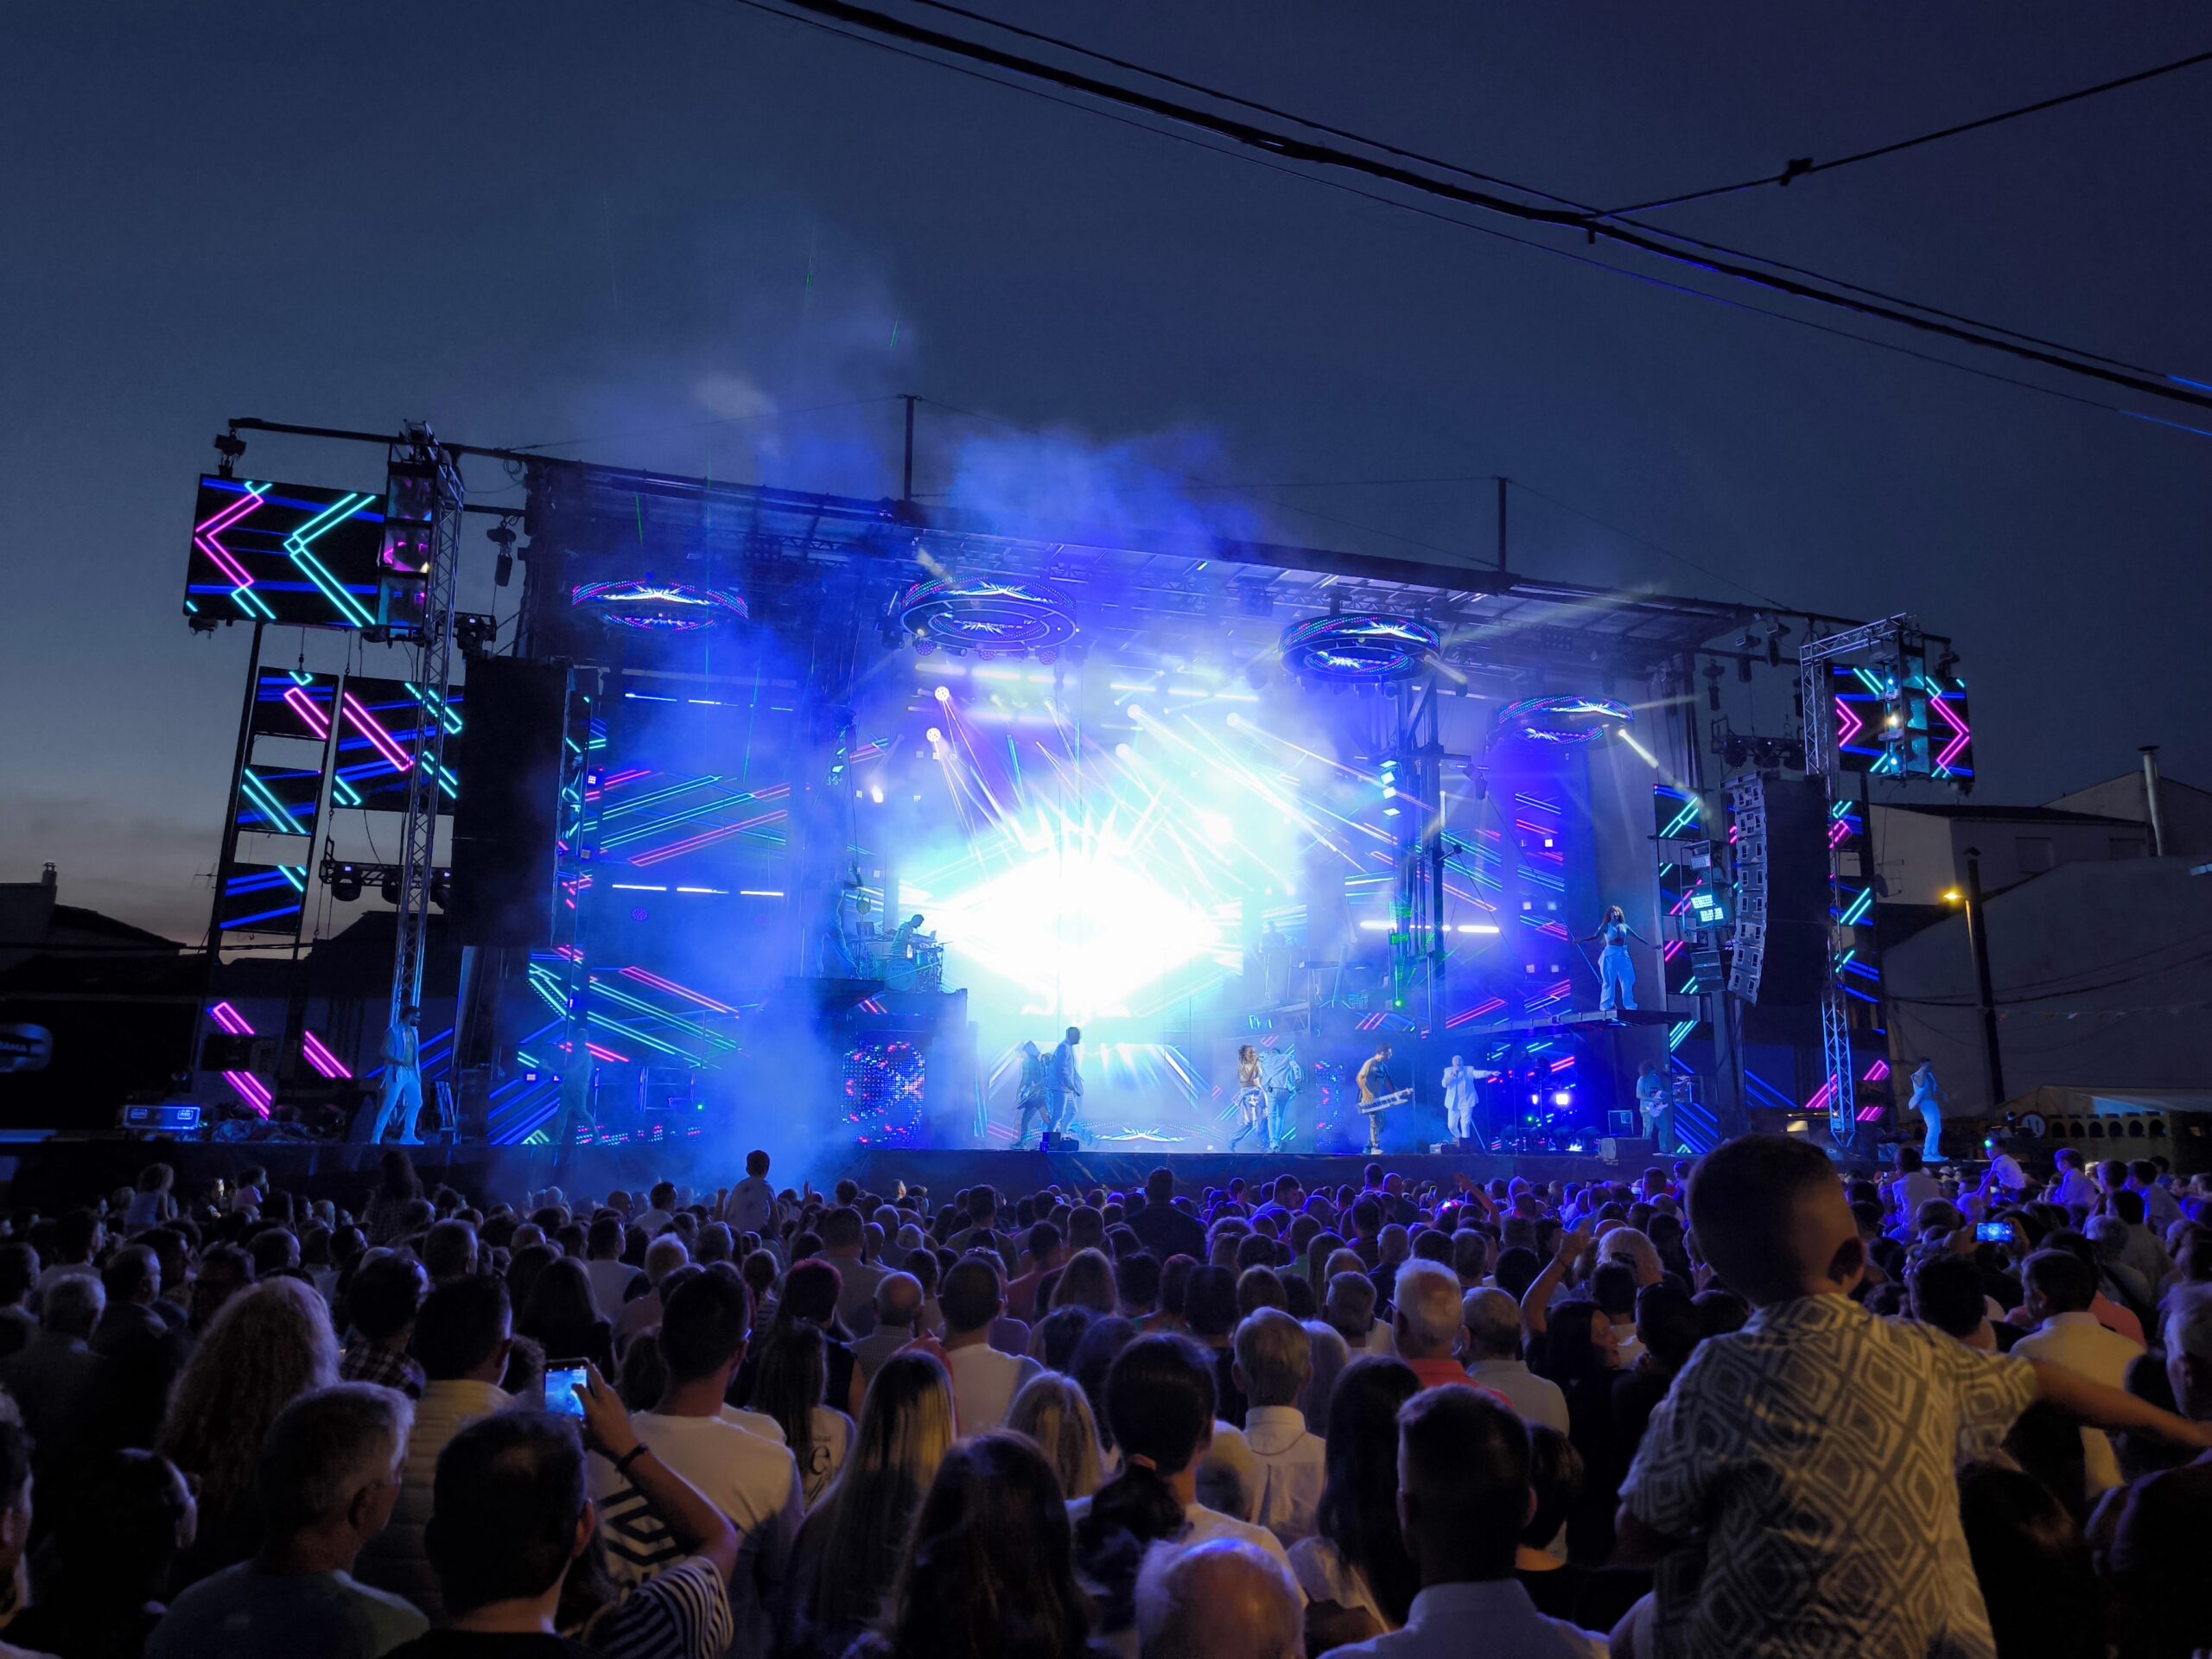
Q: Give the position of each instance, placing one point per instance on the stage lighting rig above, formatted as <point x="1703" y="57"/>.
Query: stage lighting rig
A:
<point x="990" y="616"/>
<point x="502" y="536"/>
<point x="229" y="449"/>
<point x="476" y="632"/>
<point x="1565" y="720"/>
<point x="1366" y="648"/>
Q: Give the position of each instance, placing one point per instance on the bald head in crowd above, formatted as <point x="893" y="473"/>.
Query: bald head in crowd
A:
<point x="1492" y="1321"/>
<point x="1221" y="1600"/>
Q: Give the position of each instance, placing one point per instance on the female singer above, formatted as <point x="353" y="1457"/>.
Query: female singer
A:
<point x="1251" y="1105"/>
<point x="1615" y="973"/>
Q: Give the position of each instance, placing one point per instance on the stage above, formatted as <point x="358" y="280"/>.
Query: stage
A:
<point x="57" y="1174"/>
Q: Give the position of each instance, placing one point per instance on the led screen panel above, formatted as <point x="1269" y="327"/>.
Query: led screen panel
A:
<point x="288" y="703"/>
<point x="378" y="720"/>
<point x="264" y="897"/>
<point x="294" y="554"/>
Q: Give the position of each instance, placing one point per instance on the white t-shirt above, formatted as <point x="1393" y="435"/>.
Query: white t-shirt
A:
<point x="610" y="1281"/>
<point x="984" y="1382"/>
<point x="747" y="1476"/>
<point x="751" y="1203"/>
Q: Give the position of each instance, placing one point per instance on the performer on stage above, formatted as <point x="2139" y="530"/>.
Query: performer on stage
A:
<point x="1373" y="1084"/>
<point x="1282" y="1077"/>
<point x="835" y="955"/>
<point x="1029" y="1094"/>
<point x="902" y="942"/>
<point x="1927" y="1101"/>
<point x="1654" y="1103"/>
<point x="1615" y="973"/>
<point x="1251" y="1103"/>
<point x="1460" y="1081"/>
<point x="1063" y="1083"/>
<point x="400" y="1098"/>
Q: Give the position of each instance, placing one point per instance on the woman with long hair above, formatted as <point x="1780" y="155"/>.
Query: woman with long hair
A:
<point x="1159" y="1410"/>
<point x="561" y="1315"/>
<point x="1358" y="1579"/>
<point x="987" y="1573"/>
<point x="1093" y="1363"/>
<point x="810" y="1298"/>
<point x="847" y="1554"/>
<point x="264" y="1348"/>
<point x="1251" y="1105"/>
<point x="1087" y="1282"/>
<point x="1052" y="1410"/>
<point x="787" y="1388"/>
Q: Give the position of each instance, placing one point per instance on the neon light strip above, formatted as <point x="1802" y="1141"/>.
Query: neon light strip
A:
<point x="1680" y="1034"/>
<point x="429" y="699"/>
<point x="263" y="796"/>
<point x="250" y="1090"/>
<point x="310" y="716"/>
<point x="230" y="924"/>
<point x="672" y="986"/>
<point x="1878" y="1072"/>
<point x="229" y="1020"/>
<point x="204" y="536"/>
<point x="366" y="723"/>
<point x="320" y="1058"/>
<point x="1958" y="743"/>
<point x="657" y="855"/>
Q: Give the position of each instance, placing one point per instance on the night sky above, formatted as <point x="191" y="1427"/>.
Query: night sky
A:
<point x="669" y="229"/>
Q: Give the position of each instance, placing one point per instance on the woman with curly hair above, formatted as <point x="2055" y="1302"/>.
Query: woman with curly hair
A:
<point x="265" y="1348"/>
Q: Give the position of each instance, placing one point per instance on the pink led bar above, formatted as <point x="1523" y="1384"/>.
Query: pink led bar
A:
<point x="384" y="743"/>
<point x="310" y="716"/>
<point x="1878" y="1072"/>
<point x="229" y="1020"/>
<point x="1960" y="737"/>
<point x="1848" y="725"/>
<point x="675" y="848"/>
<point x="204" y="536"/>
<point x="320" y="1058"/>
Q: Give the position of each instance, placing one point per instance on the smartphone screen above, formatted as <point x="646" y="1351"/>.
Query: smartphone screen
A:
<point x="1993" y="1232"/>
<point x="563" y="1378"/>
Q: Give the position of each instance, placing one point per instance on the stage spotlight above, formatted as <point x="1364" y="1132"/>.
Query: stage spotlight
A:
<point x="875" y="793"/>
<point x="944" y="694"/>
<point x="1236" y="719"/>
<point x="1562" y="1097"/>
<point x="389" y="891"/>
<point x="1122" y="751"/>
<point x="346" y="884"/>
<point x="924" y="645"/>
<point x="1136" y="711"/>
<point x="934" y="735"/>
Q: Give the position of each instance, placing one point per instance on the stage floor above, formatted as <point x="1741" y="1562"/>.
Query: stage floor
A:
<point x="55" y="1174"/>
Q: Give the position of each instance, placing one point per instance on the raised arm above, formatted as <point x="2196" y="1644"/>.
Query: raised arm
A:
<point x="697" y="1526"/>
<point x="1536" y="1303"/>
<point x="2106" y="1407"/>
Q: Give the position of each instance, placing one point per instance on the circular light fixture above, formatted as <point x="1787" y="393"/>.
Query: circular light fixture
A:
<point x="1365" y="648"/>
<point x="659" y="607"/>
<point x="993" y="616"/>
<point x="1572" y="719"/>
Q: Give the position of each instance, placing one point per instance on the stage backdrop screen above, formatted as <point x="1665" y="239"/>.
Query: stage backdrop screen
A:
<point x="297" y="554"/>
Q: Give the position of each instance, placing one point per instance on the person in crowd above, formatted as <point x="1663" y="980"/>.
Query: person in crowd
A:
<point x="1667" y="1333"/>
<point x="462" y="1333"/>
<point x="562" y="1318"/>
<point x="1136" y="1287"/>
<point x="2071" y="1189"/>
<point x="1553" y="1584"/>
<point x="1053" y="1411"/>
<point x="1274" y="1361"/>
<point x="846" y="1556"/>
<point x="1491" y="1321"/>
<point x="1732" y="1470"/>
<point x="1059" y="1336"/>
<point x="398" y="1188"/>
<point x="1945" y="1292"/>
<point x="1220" y="1600"/>
<point x="59" y="1385"/>
<point x="144" y="1353"/>
<point x="19" y="1272"/>
<point x="265" y="1348"/>
<point x="1348" y="1308"/>
<point x="15" y="1516"/>
<point x="1045" y="1253"/>
<point x="1161" y="1227"/>
<point x="153" y="1203"/>
<point x="898" y="1322"/>
<point x="843" y="1238"/>
<point x="1160" y="1410"/>
<point x="1087" y="1280"/>
<point x="987" y="1571"/>
<point x="984" y="1381"/>
<point x="747" y="1476"/>
<point x="2031" y="1565"/>
<point x="2060" y="1287"/>
<point x="1425" y="1328"/>
<point x="1209" y="1306"/>
<point x="123" y="1519"/>
<point x="788" y="1381"/>
<point x="77" y="1239"/>
<point x="1464" y="1498"/>
<point x="608" y="1275"/>
<point x="753" y="1200"/>
<point x="380" y="1306"/>
<point x="665" y="1256"/>
<point x="327" y="1476"/>
<point x="449" y="1250"/>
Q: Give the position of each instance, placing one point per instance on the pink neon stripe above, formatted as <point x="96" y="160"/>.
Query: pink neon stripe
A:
<point x="249" y="1090"/>
<point x="675" y="848"/>
<point x="303" y="706"/>
<point x="203" y="536"/>
<point x="320" y="1058"/>
<point x="607" y="1053"/>
<point x="1957" y="743"/>
<point x="229" y="1020"/>
<point x="1852" y="724"/>
<point x="366" y="723"/>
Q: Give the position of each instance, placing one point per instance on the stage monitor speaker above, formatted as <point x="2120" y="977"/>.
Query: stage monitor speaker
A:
<point x="504" y="823"/>
<point x="1062" y="1143"/>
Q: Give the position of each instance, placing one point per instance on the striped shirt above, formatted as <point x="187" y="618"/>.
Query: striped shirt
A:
<point x="684" y="1613"/>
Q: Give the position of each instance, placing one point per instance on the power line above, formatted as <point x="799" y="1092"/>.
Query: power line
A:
<point x="1593" y="227"/>
<point x="1805" y="167"/>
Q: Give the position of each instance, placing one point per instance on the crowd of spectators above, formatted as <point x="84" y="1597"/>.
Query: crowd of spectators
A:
<point x="1761" y="1405"/>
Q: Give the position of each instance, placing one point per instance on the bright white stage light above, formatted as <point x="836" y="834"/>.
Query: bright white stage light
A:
<point x="1218" y="827"/>
<point x="943" y="694"/>
<point x="1080" y="933"/>
<point x="876" y="794"/>
<point x="1562" y="1097"/>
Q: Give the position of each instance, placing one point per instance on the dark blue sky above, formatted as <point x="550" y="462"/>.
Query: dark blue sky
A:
<point x="644" y="225"/>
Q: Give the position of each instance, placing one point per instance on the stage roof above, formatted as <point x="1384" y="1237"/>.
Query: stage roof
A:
<point x="1128" y="583"/>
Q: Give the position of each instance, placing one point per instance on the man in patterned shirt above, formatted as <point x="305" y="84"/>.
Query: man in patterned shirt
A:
<point x="1796" y="1489"/>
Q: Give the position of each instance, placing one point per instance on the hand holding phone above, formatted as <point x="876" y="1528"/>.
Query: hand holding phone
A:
<point x="563" y="1377"/>
<point x="1993" y="1232"/>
